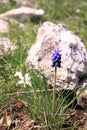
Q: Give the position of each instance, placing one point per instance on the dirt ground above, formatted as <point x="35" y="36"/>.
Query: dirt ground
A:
<point x="14" y="117"/>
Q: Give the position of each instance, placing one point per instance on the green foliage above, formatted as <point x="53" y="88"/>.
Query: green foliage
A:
<point x="39" y="96"/>
<point x="66" y="12"/>
<point x="8" y="6"/>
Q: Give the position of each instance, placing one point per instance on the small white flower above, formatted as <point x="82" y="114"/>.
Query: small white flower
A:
<point x="78" y="10"/>
<point x="19" y="74"/>
<point x="23" y="80"/>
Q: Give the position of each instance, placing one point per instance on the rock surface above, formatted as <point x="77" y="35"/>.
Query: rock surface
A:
<point x="21" y="11"/>
<point x="74" y="55"/>
<point x="4" y="2"/>
<point x="6" y="46"/>
<point x="17" y="15"/>
<point x="21" y="2"/>
<point x="25" y="2"/>
<point x="4" y="26"/>
<point x="82" y="94"/>
<point x="73" y="69"/>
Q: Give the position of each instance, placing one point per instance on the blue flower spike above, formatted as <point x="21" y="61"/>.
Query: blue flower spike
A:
<point x="56" y="58"/>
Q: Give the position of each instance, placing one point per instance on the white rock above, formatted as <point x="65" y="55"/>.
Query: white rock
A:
<point x="74" y="55"/>
<point x="4" y="1"/>
<point x="82" y="94"/>
<point x="6" y="46"/>
<point x="4" y="26"/>
<point x="22" y="11"/>
<point x="24" y="2"/>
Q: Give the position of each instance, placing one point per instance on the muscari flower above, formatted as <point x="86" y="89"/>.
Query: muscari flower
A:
<point x="25" y="80"/>
<point x="56" y="58"/>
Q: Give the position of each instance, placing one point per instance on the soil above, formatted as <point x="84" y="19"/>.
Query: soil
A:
<point x="16" y="117"/>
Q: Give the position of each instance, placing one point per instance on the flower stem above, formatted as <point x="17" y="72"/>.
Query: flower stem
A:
<point x="53" y="101"/>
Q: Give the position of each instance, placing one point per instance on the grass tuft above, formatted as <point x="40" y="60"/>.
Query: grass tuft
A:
<point x="39" y="95"/>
